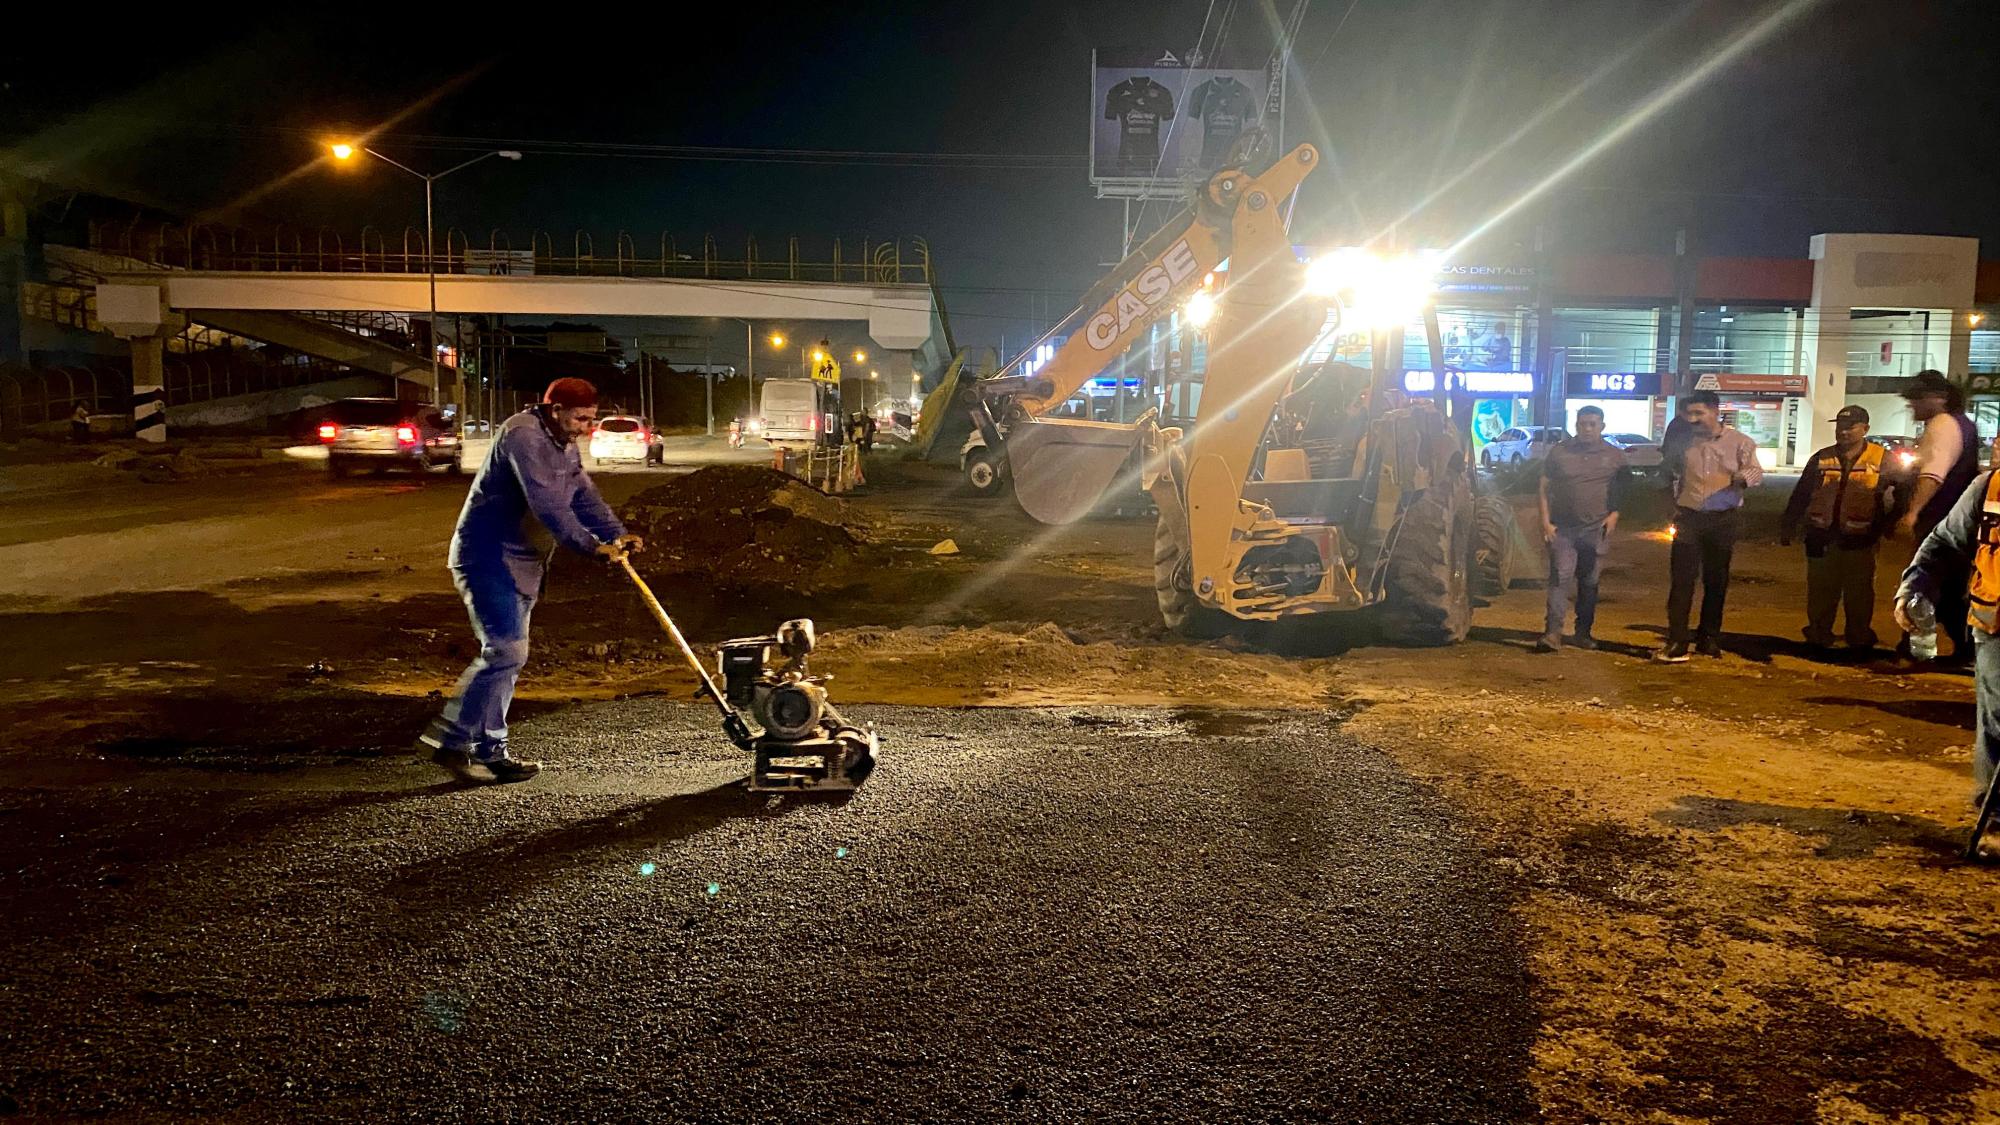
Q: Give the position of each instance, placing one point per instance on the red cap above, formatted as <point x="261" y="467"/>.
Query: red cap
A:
<point x="570" y="393"/>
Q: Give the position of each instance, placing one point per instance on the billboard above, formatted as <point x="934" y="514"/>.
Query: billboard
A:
<point x="1158" y="118"/>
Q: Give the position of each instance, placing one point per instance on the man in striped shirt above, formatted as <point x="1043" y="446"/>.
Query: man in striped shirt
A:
<point x="1718" y="463"/>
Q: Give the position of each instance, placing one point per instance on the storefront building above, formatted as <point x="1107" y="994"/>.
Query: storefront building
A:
<point x="1785" y="343"/>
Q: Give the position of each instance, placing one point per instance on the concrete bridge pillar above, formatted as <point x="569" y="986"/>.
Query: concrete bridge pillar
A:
<point x="138" y="313"/>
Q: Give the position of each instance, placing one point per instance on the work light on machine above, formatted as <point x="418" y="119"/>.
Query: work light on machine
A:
<point x="1200" y="309"/>
<point x="1375" y="290"/>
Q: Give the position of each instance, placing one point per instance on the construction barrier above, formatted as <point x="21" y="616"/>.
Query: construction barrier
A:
<point x="833" y="471"/>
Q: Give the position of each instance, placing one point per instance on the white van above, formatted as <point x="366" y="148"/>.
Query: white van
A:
<point x="793" y="412"/>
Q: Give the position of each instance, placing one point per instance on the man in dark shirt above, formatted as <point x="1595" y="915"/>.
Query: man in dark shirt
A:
<point x="1845" y="500"/>
<point x="1582" y="485"/>
<point x="1140" y="106"/>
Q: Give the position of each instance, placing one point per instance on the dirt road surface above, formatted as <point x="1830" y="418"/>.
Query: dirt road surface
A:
<point x="1143" y="877"/>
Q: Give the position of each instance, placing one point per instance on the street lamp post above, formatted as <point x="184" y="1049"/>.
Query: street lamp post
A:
<point x="346" y="152"/>
<point x="749" y="365"/>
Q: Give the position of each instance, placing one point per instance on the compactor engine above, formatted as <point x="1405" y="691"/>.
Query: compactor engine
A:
<point x="804" y="742"/>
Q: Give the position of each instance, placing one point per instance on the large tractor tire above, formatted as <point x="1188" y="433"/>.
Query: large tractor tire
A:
<point x="1429" y="597"/>
<point x="1178" y="607"/>
<point x="1492" y="545"/>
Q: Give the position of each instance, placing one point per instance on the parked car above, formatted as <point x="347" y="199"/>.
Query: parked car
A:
<point x="627" y="437"/>
<point x="383" y="433"/>
<point x="1901" y="451"/>
<point x="1522" y="443"/>
<point x="1641" y="452"/>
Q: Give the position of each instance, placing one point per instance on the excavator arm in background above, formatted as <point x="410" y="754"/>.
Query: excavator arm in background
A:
<point x="1062" y="466"/>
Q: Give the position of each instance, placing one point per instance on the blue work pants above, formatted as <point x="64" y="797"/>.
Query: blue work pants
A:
<point x="476" y="717"/>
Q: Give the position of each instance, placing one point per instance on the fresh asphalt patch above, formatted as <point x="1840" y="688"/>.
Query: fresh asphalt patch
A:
<point x="1116" y="913"/>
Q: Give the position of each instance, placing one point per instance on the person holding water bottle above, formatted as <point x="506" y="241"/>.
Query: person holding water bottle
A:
<point x="1967" y="538"/>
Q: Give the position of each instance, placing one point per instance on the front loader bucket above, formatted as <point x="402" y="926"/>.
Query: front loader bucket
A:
<point x="1062" y="467"/>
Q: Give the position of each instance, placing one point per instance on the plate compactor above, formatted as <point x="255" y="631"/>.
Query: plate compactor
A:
<point x="804" y="745"/>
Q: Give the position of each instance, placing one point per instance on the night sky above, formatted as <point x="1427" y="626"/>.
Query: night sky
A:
<point x="1854" y="115"/>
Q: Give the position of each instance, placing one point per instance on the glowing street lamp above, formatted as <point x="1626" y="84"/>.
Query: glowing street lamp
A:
<point x="860" y="356"/>
<point x="344" y="151"/>
<point x="777" y="340"/>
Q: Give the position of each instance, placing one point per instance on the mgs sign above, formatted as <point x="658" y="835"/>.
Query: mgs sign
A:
<point x="1137" y="301"/>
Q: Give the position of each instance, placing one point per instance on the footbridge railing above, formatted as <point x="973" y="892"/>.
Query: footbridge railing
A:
<point x="200" y="246"/>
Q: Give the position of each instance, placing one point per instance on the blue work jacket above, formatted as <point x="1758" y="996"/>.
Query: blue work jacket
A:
<point x="530" y="496"/>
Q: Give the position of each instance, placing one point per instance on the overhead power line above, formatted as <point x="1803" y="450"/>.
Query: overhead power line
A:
<point x="543" y="146"/>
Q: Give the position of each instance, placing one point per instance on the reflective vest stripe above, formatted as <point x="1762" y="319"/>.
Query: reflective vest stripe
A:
<point x="1984" y="591"/>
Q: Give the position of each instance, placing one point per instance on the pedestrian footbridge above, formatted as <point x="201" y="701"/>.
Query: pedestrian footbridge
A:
<point x="150" y="279"/>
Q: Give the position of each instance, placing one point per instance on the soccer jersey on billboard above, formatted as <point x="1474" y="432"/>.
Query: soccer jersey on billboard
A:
<point x="1160" y="119"/>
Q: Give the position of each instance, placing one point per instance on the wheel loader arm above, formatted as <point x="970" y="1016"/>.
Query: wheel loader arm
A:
<point x="1261" y="328"/>
<point x="1152" y="282"/>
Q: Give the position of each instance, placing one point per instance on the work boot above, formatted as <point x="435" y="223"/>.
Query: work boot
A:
<point x="1708" y="646"/>
<point x="506" y="769"/>
<point x="1676" y="652"/>
<point x="458" y="763"/>
<point x="1584" y="641"/>
<point x="1549" y="642"/>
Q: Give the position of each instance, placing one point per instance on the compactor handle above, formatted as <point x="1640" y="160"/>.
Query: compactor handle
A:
<point x="732" y="723"/>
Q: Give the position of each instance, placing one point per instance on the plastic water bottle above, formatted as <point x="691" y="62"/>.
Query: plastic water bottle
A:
<point x="1923" y="634"/>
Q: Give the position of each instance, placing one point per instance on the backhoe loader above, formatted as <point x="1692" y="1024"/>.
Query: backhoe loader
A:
<point x="1295" y="491"/>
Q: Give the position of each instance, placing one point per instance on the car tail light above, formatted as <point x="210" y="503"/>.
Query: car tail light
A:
<point x="406" y="434"/>
<point x="815" y="423"/>
<point x="328" y="431"/>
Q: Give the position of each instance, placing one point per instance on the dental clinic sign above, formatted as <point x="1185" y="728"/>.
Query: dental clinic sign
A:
<point x="1486" y="279"/>
<point x="1135" y="303"/>
<point x="1422" y="382"/>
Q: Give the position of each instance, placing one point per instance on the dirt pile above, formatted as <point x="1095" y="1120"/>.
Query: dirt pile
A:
<point x="748" y="527"/>
<point x="1026" y="664"/>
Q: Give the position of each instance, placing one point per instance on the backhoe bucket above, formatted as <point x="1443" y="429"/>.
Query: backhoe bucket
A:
<point x="1062" y="467"/>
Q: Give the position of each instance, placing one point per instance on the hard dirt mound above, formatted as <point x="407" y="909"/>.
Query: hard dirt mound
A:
<point x="749" y="527"/>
